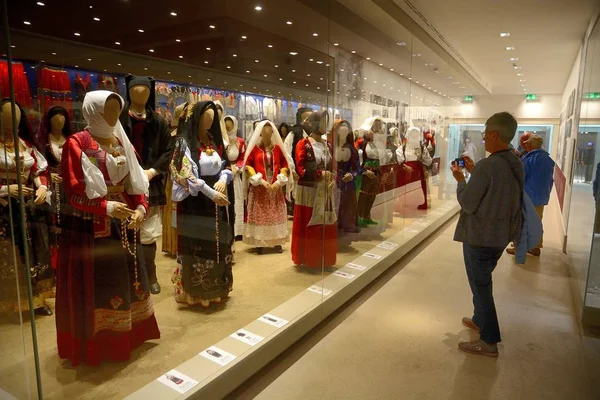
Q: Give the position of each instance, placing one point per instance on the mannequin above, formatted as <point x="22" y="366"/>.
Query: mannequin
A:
<point x="267" y="170"/>
<point x="235" y="155"/>
<point x="314" y="234"/>
<point x="348" y="168"/>
<point x="205" y="210"/>
<point x="54" y="130"/>
<point x="169" y="226"/>
<point x="150" y="136"/>
<point x="221" y="118"/>
<point x="33" y="167"/>
<point x="291" y="141"/>
<point x="371" y="147"/>
<point x="103" y="305"/>
<point x="418" y="158"/>
<point x="284" y="130"/>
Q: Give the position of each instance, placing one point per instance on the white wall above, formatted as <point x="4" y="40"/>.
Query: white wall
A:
<point x="548" y="107"/>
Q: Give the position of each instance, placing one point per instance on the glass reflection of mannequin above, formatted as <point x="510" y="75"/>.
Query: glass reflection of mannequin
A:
<point x="419" y="158"/>
<point x="371" y="147"/>
<point x="33" y="175"/>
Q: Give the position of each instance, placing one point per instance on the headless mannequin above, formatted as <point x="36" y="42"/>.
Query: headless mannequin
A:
<point x="57" y="123"/>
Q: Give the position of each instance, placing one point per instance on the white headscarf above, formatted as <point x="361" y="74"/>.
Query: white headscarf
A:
<point x="369" y="122"/>
<point x="232" y="134"/>
<point x="222" y="122"/>
<point x="379" y="139"/>
<point x="93" y="107"/>
<point x="256" y="139"/>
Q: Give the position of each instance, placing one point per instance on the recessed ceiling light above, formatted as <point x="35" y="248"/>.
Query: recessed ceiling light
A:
<point x="205" y="62"/>
<point x="293" y="53"/>
<point x="247" y="72"/>
<point x="145" y="68"/>
<point x="519" y="74"/>
<point x="315" y="34"/>
<point x="208" y="48"/>
<point x="244" y="37"/>
<point x="289" y="22"/>
<point x="401" y="43"/>
<point x="270" y="46"/>
<point x="27" y="22"/>
<point x="307" y="74"/>
<point x="89" y="59"/>
<point x="516" y="67"/>
<point x="294" y="82"/>
<point x="280" y="80"/>
<point x="212" y="26"/>
<point x="77" y="34"/>
<point x="235" y="55"/>
<point x="178" y="40"/>
<point x="256" y="61"/>
<point x="265" y="75"/>
<point x="510" y="48"/>
<point x="276" y="66"/>
<point x="97" y="19"/>
<point x="151" y="50"/>
<point x="39" y="3"/>
<point x="504" y="34"/>
<point x="342" y="69"/>
<point x="53" y="53"/>
<point x="311" y="59"/>
<point x="12" y="46"/>
<point x="307" y="85"/>
<point x="119" y="64"/>
<point x="173" y="13"/>
<point x="180" y="56"/>
<point x="368" y="58"/>
<point x="336" y="44"/>
<point x="229" y="67"/>
<point x="521" y="80"/>
<point x="381" y="65"/>
<point x="118" y="43"/>
<point x="140" y="30"/>
<point x="258" y="8"/>
<point x="353" y="51"/>
<point x="392" y="69"/>
<point x="514" y="59"/>
<point x="293" y="70"/>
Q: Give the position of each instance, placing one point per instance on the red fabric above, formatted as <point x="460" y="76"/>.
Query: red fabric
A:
<point x="305" y="153"/>
<point x="54" y="89"/>
<point x="137" y="133"/>
<point x="241" y="144"/>
<point x="256" y="160"/>
<point x="314" y="246"/>
<point x="22" y="93"/>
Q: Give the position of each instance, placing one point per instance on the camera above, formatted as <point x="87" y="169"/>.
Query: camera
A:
<point x="460" y="162"/>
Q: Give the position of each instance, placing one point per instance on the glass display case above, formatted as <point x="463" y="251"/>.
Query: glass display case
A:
<point x="201" y="178"/>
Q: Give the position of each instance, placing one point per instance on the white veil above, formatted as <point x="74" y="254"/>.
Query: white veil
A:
<point x="93" y="106"/>
<point x="276" y="140"/>
<point x="222" y="122"/>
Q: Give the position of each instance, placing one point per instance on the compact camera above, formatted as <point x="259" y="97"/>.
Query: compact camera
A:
<point x="460" y="162"/>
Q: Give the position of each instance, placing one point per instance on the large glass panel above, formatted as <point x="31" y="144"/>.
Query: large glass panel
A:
<point x="290" y="146"/>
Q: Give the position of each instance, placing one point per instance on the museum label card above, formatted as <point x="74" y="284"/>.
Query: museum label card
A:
<point x="422" y="222"/>
<point x="344" y="275"/>
<point x="373" y="256"/>
<point x="387" y="245"/>
<point x="177" y="381"/>
<point x="247" y="337"/>
<point x="357" y="267"/>
<point x="320" y="290"/>
<point x="411" y="230"/>
<point x="217" y="355"/>
<point x="273" y="320"/>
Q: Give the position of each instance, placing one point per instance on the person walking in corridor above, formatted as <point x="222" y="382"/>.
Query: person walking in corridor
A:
<point x="539" y="179"/>
<point x="490" y="219"/>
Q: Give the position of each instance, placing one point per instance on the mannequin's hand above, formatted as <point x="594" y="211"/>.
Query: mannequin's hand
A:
<point x="265" y="184"/>
<point x="234" y="169"/>
<point x="295" y="175"/>
<point x="469" y="164"/>
<point x="408" y="169"/>
<point x="55" y="178"/>
<point x="40" y="195"/>
<point x="220" y="199"/>
<point x="121" y="211"/>
<point x="348" y="177"/>
<point x="370" y="174"/>
<point x="326" y="175"/>
<point x="457" y="172"/>
<point x="136" y="219"/>
<point x="13" y="191"/>
<point x="276" y="186"/>
<point x="221" y="187"/>
<point x="149" y="174"/>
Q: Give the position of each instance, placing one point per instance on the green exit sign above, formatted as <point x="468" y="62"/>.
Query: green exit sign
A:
<point x="591" y="95"/>
<point x="531" y="96"/>
<point x="468" y="99"/>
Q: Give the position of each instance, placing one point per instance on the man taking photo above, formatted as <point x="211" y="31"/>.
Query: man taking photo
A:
<point x="490" y="219"/>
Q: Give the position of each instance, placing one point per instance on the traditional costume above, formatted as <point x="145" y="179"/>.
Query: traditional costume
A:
<point x="204" y="272"/>
<point x="267" y="215"/>
<point x="235" y="155"/>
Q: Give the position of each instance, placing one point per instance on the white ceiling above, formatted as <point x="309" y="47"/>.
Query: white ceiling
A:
<point x="546" y="35"/>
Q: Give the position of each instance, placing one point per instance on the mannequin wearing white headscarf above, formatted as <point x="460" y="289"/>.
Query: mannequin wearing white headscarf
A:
<point x="418" y="157"/>
<point x="267" y="167"/>
<point x="100" y="276"/>
<point x="236" y="151"/>
<point x="221" y="116"/>
<point x="371" y="146"/>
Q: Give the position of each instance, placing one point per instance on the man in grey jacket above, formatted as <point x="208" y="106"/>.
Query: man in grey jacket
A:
<point x="490" y="219"/>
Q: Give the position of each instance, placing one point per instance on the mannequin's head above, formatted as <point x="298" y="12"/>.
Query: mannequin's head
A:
<point x="139" y="94"/>
<point x="219" y="110"/>
<point x="206" y="120"/>
<point x="284" y="129"/>
<point x="377" y="126"/>
<point x="500" y="130"/>
<point x="7" y="123"/>
<point x="57" y="123"/>
<point x="112" y="110"/>
<point x="267" y="134"/>
<point x="228" y="124"/>
<point x="302" y="115"/>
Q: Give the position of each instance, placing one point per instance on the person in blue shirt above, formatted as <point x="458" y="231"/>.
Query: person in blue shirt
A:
<point x="539" y="179"/>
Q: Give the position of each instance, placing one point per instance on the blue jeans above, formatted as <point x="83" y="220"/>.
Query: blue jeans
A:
<point x="480" y="263"/>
